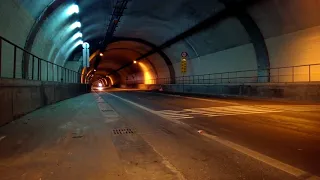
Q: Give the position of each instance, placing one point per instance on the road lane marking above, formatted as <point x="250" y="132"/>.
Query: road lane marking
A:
<point x="148" y="110"/>
<point x="2" y="137"/>
<point x="106" y="110"/>
<point x="263" y="158"/>
<point x="253" y="154"/>
<point x="237" y="110"/>
<point x="201" y="99"/>
<point x="167" y="163"/>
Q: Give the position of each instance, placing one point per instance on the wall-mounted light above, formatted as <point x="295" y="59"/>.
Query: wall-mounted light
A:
<point x="79" y="42"/>
<point x="73" y="9"/>
<point x="101" y="54"/>
<point x="76" y="35"/>
<point x="135" y="62"/>
<point x="95" y="70"/>
<point x="76" y="24"/>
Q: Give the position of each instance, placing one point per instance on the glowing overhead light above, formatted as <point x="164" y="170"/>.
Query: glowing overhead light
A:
<point x="135" y="62"/>
<point x="100" y="85"/>
<point x="73" y="9"/>
<point x="101" y="54"/>
<point x="77" y="35"/>
<point x="76" y="24"/>
<point x="94" y="70"/>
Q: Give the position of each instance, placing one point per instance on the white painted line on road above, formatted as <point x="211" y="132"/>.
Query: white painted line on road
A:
<point x="210" y="100"/>
<point x="258" y="156"/>
<point x="263" y="158"/>
<point x="167" y="163"/>
<point x="188" y="97"/>
<point x="106" y="110"/>
<point x="2" y="137"/>
<point x="149" y="110"/>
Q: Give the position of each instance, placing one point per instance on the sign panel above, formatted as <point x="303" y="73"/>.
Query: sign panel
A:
<point x="183" y="65"/>
<point x="184" y="54"/>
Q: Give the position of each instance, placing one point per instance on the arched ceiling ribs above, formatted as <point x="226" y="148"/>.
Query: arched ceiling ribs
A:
<point x="47" y="12"/>
<point x="147" y="43"/>
<point x="256" y="38"/>
<point x="133" y="50"/>
<point x="208" y="22"/>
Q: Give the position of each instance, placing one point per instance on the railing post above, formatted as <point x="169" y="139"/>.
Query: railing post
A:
<point x="39" y="69"/>
<point x="309" y="73"/>
<point x="236" y="76"/>
<point x="32" y="69"/>
<point x="228" y="77"/>
<point x="47" y="70"/>
<point x="14" y="61"/>
<point x="0" y="55"/>
<point x="292" y="74"/>
<point x="278" y="75"/>
<point x="52" y="72"/>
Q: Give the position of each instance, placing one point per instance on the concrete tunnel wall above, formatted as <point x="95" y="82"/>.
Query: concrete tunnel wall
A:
<point x="290" y="33"/>
<point x="19" y="96"/>
<point x="52" y="40"/>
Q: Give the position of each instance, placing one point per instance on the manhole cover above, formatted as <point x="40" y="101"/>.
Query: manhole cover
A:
<point x="122" y="131"/>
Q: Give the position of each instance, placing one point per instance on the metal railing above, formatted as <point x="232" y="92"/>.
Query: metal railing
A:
<point x="291" y="74"/>
<point x="12" y="65"/>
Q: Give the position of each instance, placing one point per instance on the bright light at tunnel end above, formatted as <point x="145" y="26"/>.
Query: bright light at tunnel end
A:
<point x="73" y="9"/>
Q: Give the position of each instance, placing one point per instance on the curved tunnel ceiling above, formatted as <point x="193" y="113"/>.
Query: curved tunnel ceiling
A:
<point x="153" y="22"/>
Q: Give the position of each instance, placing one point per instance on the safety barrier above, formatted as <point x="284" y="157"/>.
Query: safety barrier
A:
<point x="12" y="65"/>
<point x="290" y="74"/>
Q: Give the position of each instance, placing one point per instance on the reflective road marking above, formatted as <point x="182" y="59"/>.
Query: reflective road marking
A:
<point x="258" y="156"/>
<point x="235" y="110"/>
<point x="2" y="137"/>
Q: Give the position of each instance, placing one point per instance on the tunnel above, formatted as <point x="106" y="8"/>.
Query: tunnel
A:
<point x="159" y="89"/>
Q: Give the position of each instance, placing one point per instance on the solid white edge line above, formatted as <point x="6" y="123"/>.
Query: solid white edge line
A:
<point x="2" y="137"/>
<point x="188" y="97"/>
<point x="258" y="156"/>
<point x="263" y="158"/>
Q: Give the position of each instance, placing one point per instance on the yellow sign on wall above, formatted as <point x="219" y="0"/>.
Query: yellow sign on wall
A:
<point x="183" y="65"/>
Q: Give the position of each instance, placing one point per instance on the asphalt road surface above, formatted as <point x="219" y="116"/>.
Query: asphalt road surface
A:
<point x="148" y="135"/>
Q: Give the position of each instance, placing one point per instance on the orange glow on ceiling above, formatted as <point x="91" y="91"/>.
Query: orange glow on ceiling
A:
<point x="111" y="80"/>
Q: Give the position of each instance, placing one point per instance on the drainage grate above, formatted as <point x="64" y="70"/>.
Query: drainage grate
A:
<point x="106" y="110"/>
<point x="122" y="131"/>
